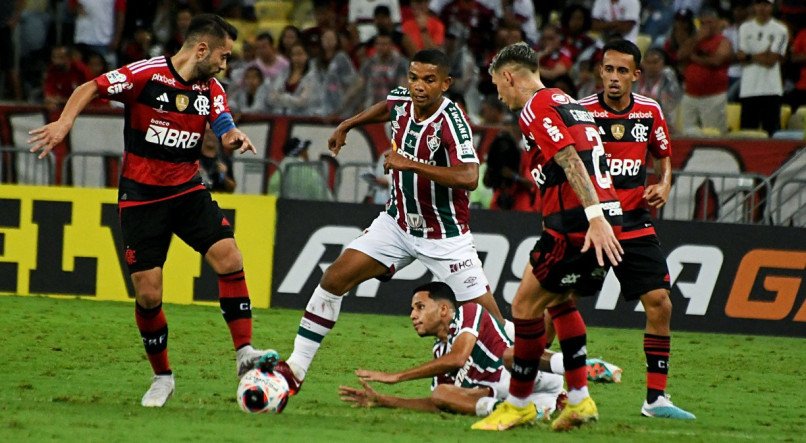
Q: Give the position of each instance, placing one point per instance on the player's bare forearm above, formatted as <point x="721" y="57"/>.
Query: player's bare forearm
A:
<point x="416" y="404"/>
<point x="658" y="194"/>
<point x="577" y="175"/>
<point x="79" y="99"/>
<point x="444" y="364"/>
<point x="45" y="138"/>
<point x="377" y="113"/>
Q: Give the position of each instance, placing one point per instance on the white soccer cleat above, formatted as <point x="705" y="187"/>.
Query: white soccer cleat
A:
<point x="162" y="386"/>
<point x="247" y="358"/>
<point x="664" y="408"/>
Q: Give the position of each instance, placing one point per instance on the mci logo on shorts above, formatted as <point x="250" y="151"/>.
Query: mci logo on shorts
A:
<point x="172" y="138"/>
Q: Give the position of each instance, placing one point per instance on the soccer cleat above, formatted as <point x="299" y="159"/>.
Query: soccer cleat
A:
<point x="294" y="384"/>
<point x="664" y="408"/>
<point x="505" y="416"/>
<point x="602" y="371"/>
<point x="247" y="358"/>
<point x="162" y="386"/>
<point x="574" y="416"/>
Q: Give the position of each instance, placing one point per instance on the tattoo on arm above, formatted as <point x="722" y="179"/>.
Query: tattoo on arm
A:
<point x="577" y="175"/>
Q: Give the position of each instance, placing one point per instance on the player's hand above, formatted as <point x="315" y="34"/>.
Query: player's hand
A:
<point x="379" y="376"/>
<point x="601" y="236"/>
<point x="45" y="138"/>
<point x="366" y="397"/>
<point x="236" y="139"/>
<point x="657" y="195"/>
<point x="395" y="162"/>
<point x="337" y="140"/>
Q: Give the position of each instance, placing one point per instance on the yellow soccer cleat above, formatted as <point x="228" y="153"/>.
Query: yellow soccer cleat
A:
<point x="574" y="416"/>
<point x="505" y="416"/>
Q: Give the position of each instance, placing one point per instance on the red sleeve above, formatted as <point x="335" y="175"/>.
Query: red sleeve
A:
<point x="544" y="125"/>
<point x="50" y="85"/>
<point x="120" y="5"/>
<point x="659" y="142"/>
<point x="565" y="58"/>
<point x="118" y="84"/>
<point x="219" y="98"/>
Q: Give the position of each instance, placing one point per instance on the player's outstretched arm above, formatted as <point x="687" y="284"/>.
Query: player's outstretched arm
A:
<point x="376" y="113"/>
<point x="455" y="359"/>
<point x="658" y="194"/>
<point x="600" y="234"/>
<point x="367" y="397"/>
<point x="462" y="176"/>
<point x="236" y="139"/>
<point x="45" y="138"/>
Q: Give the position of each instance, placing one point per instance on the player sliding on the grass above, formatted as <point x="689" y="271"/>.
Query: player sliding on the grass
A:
<point x="468" y="370"/>
<point x="433" y="165"/>
<point x="169" y="102"/>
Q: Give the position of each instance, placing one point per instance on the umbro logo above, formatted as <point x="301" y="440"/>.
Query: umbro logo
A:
<point x="163" y="98"/>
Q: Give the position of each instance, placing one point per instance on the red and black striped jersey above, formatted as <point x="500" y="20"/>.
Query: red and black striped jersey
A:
<point x="165" y="120"/>
<point x="485" y="363"/>
<point x="422" y="207"/>
<point x="550" y="122"/>
<point x="628" y="136"/>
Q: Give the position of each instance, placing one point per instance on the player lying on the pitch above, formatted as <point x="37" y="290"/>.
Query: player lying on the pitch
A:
<point x="468" y="370"/>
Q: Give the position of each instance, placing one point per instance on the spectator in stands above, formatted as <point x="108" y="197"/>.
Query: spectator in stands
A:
<point x="476" y="17"/>
<point x="180" y="28"/>
<point x="706" y="56"/>
<point x="425" y="30"/>
<point x="289" y="36"/>
<point x="300" y="92"/>
<point x="380" y="73"/>
<point x="575" y="23"/>
<point x="384" y="24"/>
<point x="379" y="180"/>
<point x="740" y="11"/>
<point x="683" y="29"/>
<point x="270" y="63"/>
<point x="659" y="15"/>
<point x="139" y="47"/>
<point x="519" y="14"/>
<point x="362" y="15"/>
<point x="555" y="60"/>
<point x="659" y="82"/>
<point x="617" y="17"/>
<point x="325" y="17"/>
<point x="762" y="47"/>
<point x="797" y="97"/>
<point x="252" y="97"/>
<point x="63" y="76"/>
<point x="299" y="182"/>
<point x="691" y="5"/>
<point x="215" y="165"/>
<point x="464" y="71"/>
<point x="338" y="75"/>
<point x="10" y="13"/>
<point x="99" y="26"/>
<point x="96" y="64"/>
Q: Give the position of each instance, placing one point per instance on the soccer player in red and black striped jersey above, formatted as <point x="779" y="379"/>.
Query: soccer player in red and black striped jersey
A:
<point x="581" y="217"/>
<point x="169" y="102"/>
<point x="468" y="367"/>
<point x="630" y="125"/>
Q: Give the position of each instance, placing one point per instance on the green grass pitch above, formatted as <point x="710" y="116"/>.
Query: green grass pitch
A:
<point x="74" y="370"/>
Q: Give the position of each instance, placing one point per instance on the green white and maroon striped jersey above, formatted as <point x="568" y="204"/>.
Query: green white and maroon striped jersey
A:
<point x="421" y="207"/>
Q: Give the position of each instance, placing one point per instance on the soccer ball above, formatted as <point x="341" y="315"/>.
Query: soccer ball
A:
<point x="262" y="392"/>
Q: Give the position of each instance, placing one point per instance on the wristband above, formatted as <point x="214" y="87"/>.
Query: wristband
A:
<point x="594" y="211"/>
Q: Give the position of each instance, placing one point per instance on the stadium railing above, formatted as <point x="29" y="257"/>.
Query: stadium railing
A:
<point x="789" y="203"/>
<point x="252" y="174"/>
<point x="306" y="181"/>
<point x="92" y="169"/>
<point x="350" y="187"/>
<point x="724" y="197"/>
<point x="19" y="165"/>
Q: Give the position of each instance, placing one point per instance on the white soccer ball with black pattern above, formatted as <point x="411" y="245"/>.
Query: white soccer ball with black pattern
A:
<point x="262" y="392"/>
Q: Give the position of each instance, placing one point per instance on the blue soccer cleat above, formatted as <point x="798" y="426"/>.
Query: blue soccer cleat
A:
<point x="664" y="408"/>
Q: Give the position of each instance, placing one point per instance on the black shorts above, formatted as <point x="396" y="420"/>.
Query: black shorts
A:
<point x="147" y="229"/>
<point x="643" y="267"/>
<point x="560" y="267"/>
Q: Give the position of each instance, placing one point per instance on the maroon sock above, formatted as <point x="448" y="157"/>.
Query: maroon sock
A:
<point x="530" y="342"/>
<point x="236" y="307"/>
<point x="154" y="330"/>
<point x="572" y="337"/>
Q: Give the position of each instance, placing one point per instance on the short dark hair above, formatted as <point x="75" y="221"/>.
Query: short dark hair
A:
<point x="265" y="36"/>
<point x="437" y="290"/>
<point x="382" y="10"/>
<point x="212" y="25"/>
<point x="624" y="47"/>
<point x="517" y="53"/>
<point x="433" y="57"/>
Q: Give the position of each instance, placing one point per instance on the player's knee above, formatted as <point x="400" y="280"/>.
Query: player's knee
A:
<point x="440" y="397"/>
<point x="657" y="304"/>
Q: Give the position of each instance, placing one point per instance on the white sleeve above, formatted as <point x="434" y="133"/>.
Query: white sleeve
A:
<point x="632" y="11"/>
<point x="781" y="41"/>
<point x="599" y="10"/>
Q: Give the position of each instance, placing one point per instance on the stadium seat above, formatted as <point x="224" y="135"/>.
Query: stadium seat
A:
<point x="798" y="119"/>
<point x="643" y="41"/>
<point x="786" y="113"/>
<point x="710" y="132"/>
<point x="733" y="112"/>
<point x="790" y="134"/>
<point x="273" y="9"/>
<point x="749" y="133"/>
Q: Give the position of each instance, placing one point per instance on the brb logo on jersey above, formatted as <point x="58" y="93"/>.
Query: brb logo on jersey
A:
<point x="172" y="138"/>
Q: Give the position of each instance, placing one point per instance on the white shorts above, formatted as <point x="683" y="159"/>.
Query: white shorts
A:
<point x="547" y="388"/>
<point x="452" y="260"/>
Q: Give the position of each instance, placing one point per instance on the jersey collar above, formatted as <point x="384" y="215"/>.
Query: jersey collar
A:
<point x="175" y="73"/>
<point x="600" y="96"/>
<point x="433" y="116"/>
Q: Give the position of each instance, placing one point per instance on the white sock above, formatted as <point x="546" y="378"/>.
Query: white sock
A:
<point x="556" y="362"/>
<point x="319" y="318"/>
<point x="575" y="396"/>
<point x="517" y="401"/>
<point x="485" y="405"/>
